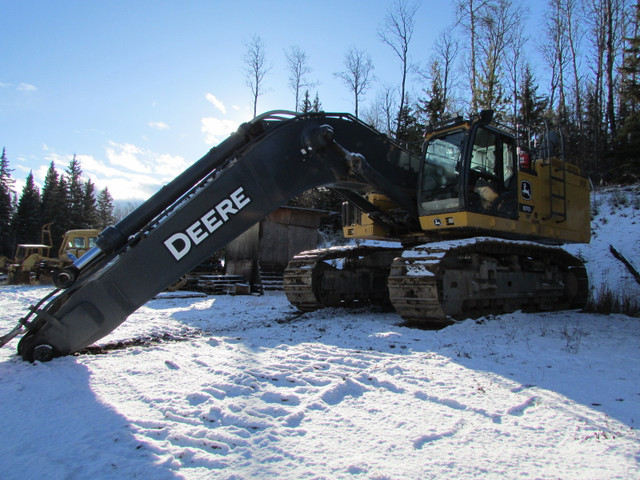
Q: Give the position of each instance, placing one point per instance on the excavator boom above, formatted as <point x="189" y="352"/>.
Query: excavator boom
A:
<point x="266" y="162"/>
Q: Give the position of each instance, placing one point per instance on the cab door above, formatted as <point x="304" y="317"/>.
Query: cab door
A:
<point x="490" y="183"/>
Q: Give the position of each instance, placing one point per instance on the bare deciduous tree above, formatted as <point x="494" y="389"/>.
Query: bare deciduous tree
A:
<point x="382" y="112"/>
<point x="557" y="55"/>
<point x="397" y="32"/>
<point x="498" y="24"/>
<point x="358" y="74"/>
<point x="606" y="22"/>
<point x="515" y="65"/>
<point x="574" y="39"/>
<point x="256" y="68"/>
<point x="446" y="48"/>
<point x="467" y="12"/>
<point x="297" y="64"/>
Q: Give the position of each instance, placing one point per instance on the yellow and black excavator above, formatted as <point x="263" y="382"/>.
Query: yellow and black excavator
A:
<point x="465" y="228"/>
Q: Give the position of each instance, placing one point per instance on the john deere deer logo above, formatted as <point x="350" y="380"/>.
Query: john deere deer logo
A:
<point x="525" y="190"/>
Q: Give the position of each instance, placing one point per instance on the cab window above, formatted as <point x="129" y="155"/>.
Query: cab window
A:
<point x="440" y="173"/>
<point x="491" y="169"/>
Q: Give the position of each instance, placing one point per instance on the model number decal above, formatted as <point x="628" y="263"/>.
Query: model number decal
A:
<point x="526" y="208"/>
<point x="179" y="244"/>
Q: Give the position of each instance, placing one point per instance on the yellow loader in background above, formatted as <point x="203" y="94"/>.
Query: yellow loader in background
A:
<point x="33" y="264"/>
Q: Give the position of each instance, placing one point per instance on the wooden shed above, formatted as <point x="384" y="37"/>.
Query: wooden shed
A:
<point x="264" y="250"/>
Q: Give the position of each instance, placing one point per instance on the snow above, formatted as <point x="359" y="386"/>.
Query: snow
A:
<point x="250" y="388"/>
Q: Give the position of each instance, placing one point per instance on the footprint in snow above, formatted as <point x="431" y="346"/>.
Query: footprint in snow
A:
<point x="171" y="365"/>
<point x="519" y="410"/>
<point x="433" y="437"/>
<point x="275" y="397"/>
<point x="196" y="399"/>
<point x="337" y="393"/>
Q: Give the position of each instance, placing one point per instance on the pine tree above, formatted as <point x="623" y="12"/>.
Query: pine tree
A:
<point x="532" y="105"/>
<point x="410" y="132"/>
<point x="317" y="106"/>
<point x="48" y="197"/>
<point x="433" y="109"/>
<point x="89" y="207"/>
<point x="27" y="220"/>
<point x="305" y="104"/>
<point x="53" y="204"/>
<point x="105" y="215"/>
<point x="6" y="206"/>
<point x="60" y="216"/>
<point x="75" y="194"/>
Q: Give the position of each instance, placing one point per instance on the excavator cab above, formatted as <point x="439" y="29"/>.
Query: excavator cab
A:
<point x="472" y="181"/>
<point x="469" y="167"/>
<point x="476" y="177"/>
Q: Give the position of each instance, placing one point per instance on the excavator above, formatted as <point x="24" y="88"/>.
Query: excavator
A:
<point x="471" y="225"/>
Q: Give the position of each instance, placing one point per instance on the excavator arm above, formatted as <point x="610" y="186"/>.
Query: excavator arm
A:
<point x="267" y="161"/>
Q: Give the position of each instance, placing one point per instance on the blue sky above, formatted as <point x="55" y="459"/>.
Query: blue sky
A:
<point x="138" y="90"/>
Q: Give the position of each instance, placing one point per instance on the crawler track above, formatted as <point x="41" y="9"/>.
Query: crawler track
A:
<point x="339" y="276"/>
<point x="434" y="284"/>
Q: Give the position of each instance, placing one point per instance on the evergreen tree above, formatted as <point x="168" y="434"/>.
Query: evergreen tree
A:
<point x="60" y="216"/>
<point x="104" y="212"/>
<point x="434" y="107"/>
<point x="89" y="207"/>
<point x="53" y="205"/>
<point x="317" y="106"/>
<point x="410" y="132"/>
<point x="75" y="194"/>
<point x="594" y="133"/>
<point x="48" y="197"/>
<point x="6" y="206"/>
<point x="27" y="220"/>
<point x="305" y="104"/>
<point x="532" y="105"/>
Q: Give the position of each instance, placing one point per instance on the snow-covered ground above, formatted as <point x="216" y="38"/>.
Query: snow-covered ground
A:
<point x="256" y="390"/>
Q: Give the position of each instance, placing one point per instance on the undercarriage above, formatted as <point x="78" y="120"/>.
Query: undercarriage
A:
<point x="435" y="284"/>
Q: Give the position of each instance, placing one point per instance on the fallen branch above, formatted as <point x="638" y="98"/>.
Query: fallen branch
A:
<point x="626" y="263"/>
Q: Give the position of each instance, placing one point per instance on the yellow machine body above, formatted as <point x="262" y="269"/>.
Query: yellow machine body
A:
<point x="549" y="199"/>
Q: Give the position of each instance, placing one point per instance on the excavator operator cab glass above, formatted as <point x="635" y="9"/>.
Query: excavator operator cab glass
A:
<point x="441" y="173"/>
<point x="491" y="187"/>
<point x="469" y="170"/>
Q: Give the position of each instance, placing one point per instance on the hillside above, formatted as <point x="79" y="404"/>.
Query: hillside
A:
<point x="250" y="388"/>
